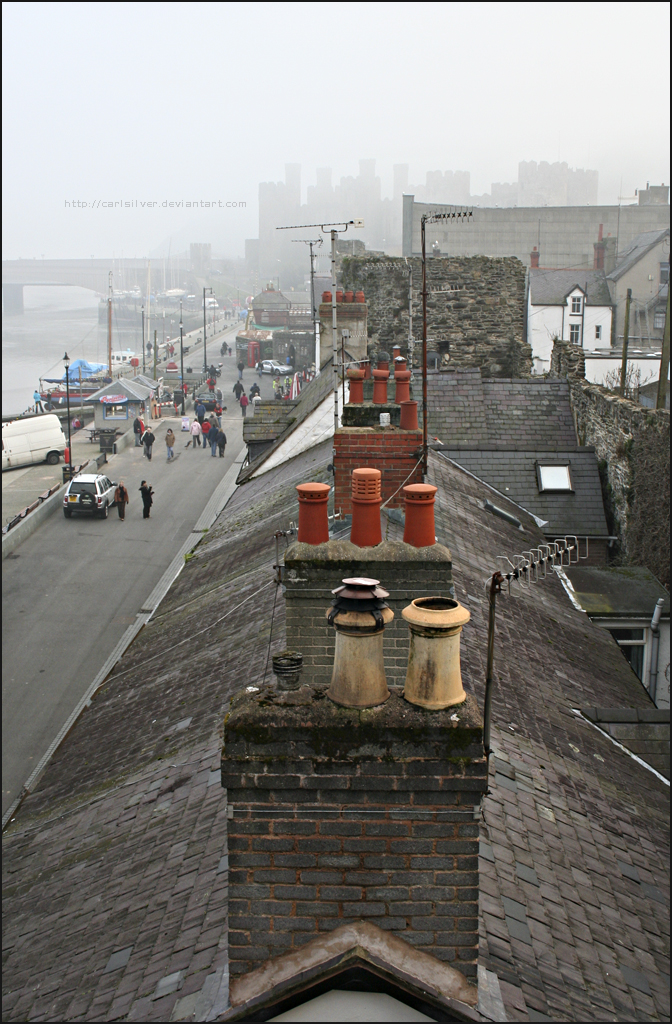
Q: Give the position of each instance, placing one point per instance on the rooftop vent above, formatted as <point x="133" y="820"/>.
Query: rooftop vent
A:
<point x="359" y="615"/>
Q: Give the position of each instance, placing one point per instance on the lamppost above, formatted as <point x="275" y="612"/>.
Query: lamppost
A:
<point x="205" y="351"/>
<point x="143" y="339"/>
<point x="181" y="359"/>
<point x="66" y="361"/>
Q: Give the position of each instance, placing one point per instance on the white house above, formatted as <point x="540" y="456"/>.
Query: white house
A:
<point x="574" y="305"/>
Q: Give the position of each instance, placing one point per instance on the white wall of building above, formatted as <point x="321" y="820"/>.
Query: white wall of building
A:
<point x="663" y="678"/>
<point x="546" y="322"/>
<point x="599" y="365"/>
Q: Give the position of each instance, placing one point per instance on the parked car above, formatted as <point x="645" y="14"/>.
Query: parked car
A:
<point x="275" y="368"/>
<point x="209" y="399"/>
<point x="89" y="492"/>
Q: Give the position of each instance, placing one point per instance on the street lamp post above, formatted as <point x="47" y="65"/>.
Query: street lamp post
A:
<point x="205" y="351"/>
<point x="143" y="339"/>
<point x="181" y="359"/>
<point x="66" y="360"/>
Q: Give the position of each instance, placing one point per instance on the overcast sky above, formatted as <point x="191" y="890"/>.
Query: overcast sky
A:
<point x="202" y="101"/>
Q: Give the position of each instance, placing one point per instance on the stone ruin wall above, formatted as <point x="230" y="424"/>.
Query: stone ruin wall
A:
<point x="633" y="448"/>
<point x="475" y="308"/>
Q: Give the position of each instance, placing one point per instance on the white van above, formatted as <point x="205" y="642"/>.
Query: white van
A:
<point x="34" y="439"/>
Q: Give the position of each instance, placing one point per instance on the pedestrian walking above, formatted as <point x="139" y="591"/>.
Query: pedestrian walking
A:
<point x="259" y="369"/>
<point x="238" y="390"/>
<point x="218" y="413"/>
<point x="195" y="431"/>
<point x="244" y="402"/>
<point x="200" y="412"/>
<point x="205" y="430"/>
<point x="240" y="367"/>
<point x="138" y="430"/>
<point x="221" y="444"/>
<point x="170" y="444"/>
<point x="223" y="350"/>
<point x="37" y="398"/>
<point x="146" y="493"/>
<point x="213" y="438"/>
<point x="121" y="500"/>
<point x="230" y="350"/>
<point x="148" y="440"/>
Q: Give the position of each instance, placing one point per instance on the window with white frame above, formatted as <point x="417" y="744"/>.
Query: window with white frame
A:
<point x="576" y="304"/>
<point x="598" y="332"/>
<point x="553" y="477"/>
<point x="659" y="320"/>
<point x="575" y="334"/>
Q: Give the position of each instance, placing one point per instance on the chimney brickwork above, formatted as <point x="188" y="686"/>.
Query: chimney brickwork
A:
<point x="313" y="571"/>
<point x="395" y="452"/>
<point x="338" y="814"/>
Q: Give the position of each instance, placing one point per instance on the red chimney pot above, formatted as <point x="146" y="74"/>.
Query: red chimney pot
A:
<point x="366" y="499"/>
<point x="409" y="416"/>
<point x="313" y="520"/>
<point x="419" y="524"/>
<point x="356" y="378"/>
<point x="402" y="392"/>
<point x="380" y="379"/>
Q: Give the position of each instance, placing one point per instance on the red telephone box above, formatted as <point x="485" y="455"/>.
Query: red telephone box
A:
<point x="253" y="353"/>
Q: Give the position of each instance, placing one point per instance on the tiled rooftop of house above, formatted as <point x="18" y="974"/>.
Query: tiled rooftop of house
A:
<point x="526" y="415"/>
<point x="514" y="473"/>
<point x="115" y="869"/>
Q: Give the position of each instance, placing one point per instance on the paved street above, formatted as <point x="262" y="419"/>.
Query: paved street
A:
<point x="73" y="587"/>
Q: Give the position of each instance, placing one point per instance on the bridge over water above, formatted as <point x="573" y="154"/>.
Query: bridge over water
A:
<point x="91" y="274"/>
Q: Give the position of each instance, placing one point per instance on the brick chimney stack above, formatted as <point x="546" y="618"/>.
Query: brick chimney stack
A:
<point x="534" y="259"/>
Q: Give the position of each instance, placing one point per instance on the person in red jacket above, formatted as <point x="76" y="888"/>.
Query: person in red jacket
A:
<point x="244" y="402"/>
<point x="205" y="429"/>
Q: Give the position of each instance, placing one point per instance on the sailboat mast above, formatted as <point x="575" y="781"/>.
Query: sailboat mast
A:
<point x="109" y="324"/>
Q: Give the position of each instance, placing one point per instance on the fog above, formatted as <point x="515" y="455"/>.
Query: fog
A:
<point x="157" y="103"/>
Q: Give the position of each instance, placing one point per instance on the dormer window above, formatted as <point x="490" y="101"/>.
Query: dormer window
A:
<point x="576" y="304"/>
<point x="553" y="477"/>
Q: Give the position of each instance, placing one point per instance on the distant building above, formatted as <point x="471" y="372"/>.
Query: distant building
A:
<point x="574" y="305"/>
<point x="644" y="267"/>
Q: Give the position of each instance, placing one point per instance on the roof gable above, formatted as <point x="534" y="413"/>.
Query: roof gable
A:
<point x="551" y="287"/>
<point x="638" y="248"/>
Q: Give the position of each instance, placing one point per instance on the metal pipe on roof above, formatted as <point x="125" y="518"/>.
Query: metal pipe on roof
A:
<point x="655" y="646"/>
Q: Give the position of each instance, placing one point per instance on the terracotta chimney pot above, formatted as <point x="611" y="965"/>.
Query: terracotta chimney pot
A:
<point x="402" y="380"/>
<point x="396" y="351"/>
<point x="359" y="297"/>
<point x="366" y="499"/>
<point x="409" y="416"/>
<point x="419" y="520"/>
<point x="400" y="363"/>
<point x="380" y="379"/>
<point x="356" y="378"/>
<point x="365" y="364"/>
<point x="313" y="520"/>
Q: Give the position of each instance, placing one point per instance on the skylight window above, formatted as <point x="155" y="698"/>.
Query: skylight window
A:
<point x="554" y="478"/>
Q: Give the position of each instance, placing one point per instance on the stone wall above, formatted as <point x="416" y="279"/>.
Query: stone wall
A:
<point x="475" y="308"/>
<point x="633" y="446"/>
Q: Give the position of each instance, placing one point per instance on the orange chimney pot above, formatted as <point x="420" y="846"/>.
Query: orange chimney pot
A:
<point x="419" y="524"/>
<point x="313" y="519"/>
<point x="366" y="499"/>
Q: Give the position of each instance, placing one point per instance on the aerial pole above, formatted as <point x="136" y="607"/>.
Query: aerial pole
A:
<point x="109" y="324"/>
<point x="335" y="228"/>
<point x="661" y="399"/>
<point x="626" y="333"/>
<point x="313" y="310"/>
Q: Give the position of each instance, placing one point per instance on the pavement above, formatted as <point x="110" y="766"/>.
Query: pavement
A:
<point x="72" y="589"/>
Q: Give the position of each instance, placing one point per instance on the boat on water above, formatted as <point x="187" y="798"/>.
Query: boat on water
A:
<point x="83" y="377"/>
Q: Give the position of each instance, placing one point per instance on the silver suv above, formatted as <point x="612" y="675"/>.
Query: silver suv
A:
<point x="89" y="492"/>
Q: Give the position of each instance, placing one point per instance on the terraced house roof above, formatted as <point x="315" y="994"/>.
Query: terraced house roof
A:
<point x="115" y="869"/>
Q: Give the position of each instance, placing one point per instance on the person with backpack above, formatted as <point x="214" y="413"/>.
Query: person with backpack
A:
<point x="148" y="440"/>
<point x="138" y="430"/>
